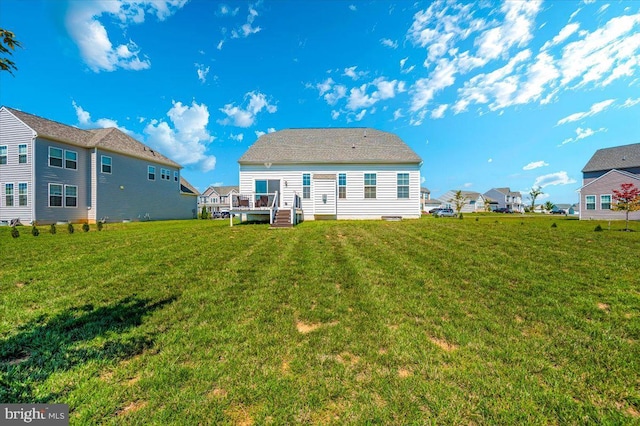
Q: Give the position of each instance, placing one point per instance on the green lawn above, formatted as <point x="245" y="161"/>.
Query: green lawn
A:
<point x="502" y="320"/>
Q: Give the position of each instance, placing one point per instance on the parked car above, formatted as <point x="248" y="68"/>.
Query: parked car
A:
<point x="445" y="213"/>
<point x="559" y="211"/>
<point x="432" y="211"/>
<point x="503" y="210"/>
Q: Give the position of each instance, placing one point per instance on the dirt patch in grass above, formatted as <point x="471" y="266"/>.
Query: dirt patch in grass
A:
<point x="19" y="360"/>
<point x="132" y="381"/>
<point x="305" y="328"/>
<point x="346" y="358"/>
<point x="443" y="344"/>
<point x="603" y="306"/>
<point x="403" y="373"/>
<point x="239" y="415"/>
<point x="285" y="368"/>
<point x="217" y="393"/>
<point x="131" y="408"/>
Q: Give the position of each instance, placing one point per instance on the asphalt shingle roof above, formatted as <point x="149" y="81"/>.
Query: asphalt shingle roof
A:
<point x="110" y="139"/>
<point x="617" y="157"/>
<point x="329" y="145"/>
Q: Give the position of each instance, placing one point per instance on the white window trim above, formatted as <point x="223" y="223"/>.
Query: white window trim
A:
<point x="61" y="196"/>
<point x="365" y="186"/>
<point x="13" y="194"/>
<point x="6" y="155"/>
<point x="408" y="185"/>
<point x="176" y="176"/>
<point x="26" y="154"/>
<point x="586" y="203"/>
<point x="64" y="160"/>
<point x="26" y="194"/>
<point x="306" y="186"/>
<point x="149" y="173"/>
<point x="102" y="164"/>
<point x="64" y="195"/>
<point x="342" y="186"/>
<point x="610" y="201"/>
<point x="61" y="157"/>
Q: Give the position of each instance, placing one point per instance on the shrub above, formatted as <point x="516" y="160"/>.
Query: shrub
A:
<point x="34" y="230"/>
<point x="52" y="229"/>
<point x="70" y="228"/>
<point x="598" y="228"/>
<point x="85" y="227"/>
<point x="100" y="224"/>
<point x="14" y="232"/>
<point x="554" y="225"/>
<point x="477" y="218"/>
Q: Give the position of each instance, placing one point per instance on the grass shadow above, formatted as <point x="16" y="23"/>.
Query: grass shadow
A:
<point x="69" y="339"/>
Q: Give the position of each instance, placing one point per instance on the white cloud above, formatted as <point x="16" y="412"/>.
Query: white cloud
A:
<point x="338" y="92"/>
<point x="247" y="29"/>
<point x="82" y="21"/>
<point x="384" y="89"/>
<point x="360" y="115"/>
<point x="630" y="102"/>
<point x="583" y="133"/>
<point x="490" y="160"/>
<point x="224" y="10"/>
<point x="534" y="165"/>
<point x="238" y="137"/>
<point x="85" y="122"/>
<point x="335" y="114"/>
<point x="260" y="133"/>
<point x="220" y="44"/>
<point x="595" y="109"/>
<point x="389" y="43"/>
<point x="397" y="114"/>
<point x="564" y="33"/>
<point x="468" y="185"/>
<point x="439" y="111"/>
<point x="558" y="178"/>
<point x="353" y="7"/>
<point x="355" y="75"/>
<point x="240" y="117"/>
<point x="186" y="137"/>
<point x="202" y="72"/>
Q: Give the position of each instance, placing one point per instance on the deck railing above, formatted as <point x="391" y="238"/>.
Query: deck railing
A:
<point x="254" y="201"/>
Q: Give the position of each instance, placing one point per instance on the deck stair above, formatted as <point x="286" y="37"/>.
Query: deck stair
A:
<point x="282" y="219"/>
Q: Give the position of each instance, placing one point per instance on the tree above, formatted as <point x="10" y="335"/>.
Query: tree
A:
<point x="487" y="203"/>
<point x="548" y="206"/>
<point x="533" y="194"/>
<point x="8" y="44"/>
<point x="627" y="199"/>
<point x="458" y="200"/>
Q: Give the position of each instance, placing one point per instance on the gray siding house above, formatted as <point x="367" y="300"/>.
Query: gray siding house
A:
<point x="216" y="198"/>
<point x="51" y="172"/>
<point x="606" y="171"/>
<point x="329" y="173"/>
<point x="505" y="198"/>
<point x="474" y="202"/>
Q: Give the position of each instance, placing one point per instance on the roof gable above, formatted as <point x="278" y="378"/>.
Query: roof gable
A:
<point x="617" y="157"/>
<point x="622" y="172"/>
<point x="329" y="145"/>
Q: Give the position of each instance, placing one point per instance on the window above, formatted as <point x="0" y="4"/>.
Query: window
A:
<point x="176" y="176"/>
<point x="55" y="195"/>
<point x="403" y="185"/>
<point x="605" y="202"/>
<point x="105" y="164"/>
<point x="22" y="194"/>
<point x="71" y="160"/>
<point x="151" y="172"/>
<point x="369" y="185"/>
<point x="306" y="185"/>
<point x="70" y="196"/>
<point x="590" y="202"/>
<point x="3" y="154"/>
<point x="165" y="174"/>
<point x="342" y="185"/>
<point x="22" y="153"/>
<point x="8" y="194"/>
<point x="55" y="157"/>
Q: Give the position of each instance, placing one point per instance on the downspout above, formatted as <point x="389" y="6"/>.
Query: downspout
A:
<point x="33" y="178"/>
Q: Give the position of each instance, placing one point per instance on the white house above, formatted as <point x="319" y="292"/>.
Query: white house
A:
<point x="328" y="173"/>
<point x="473" y="201"/>
<point x="51" y="172"/>
<point x="506" y="198"/>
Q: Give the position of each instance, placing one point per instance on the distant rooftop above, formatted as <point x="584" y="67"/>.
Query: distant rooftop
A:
<point x="617" y="157"/>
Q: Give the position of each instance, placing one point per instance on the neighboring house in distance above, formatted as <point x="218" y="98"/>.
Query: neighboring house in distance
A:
<point x="329" y="173"/>
<point x="506" y="198"/>
<point x="216" y="198"/>
<point x="425" y="197"/>
<point x="474" y="202"/>
<point x="51" y="172"/>
<point x="606" y="171"/>
<point x="568" y="208"/>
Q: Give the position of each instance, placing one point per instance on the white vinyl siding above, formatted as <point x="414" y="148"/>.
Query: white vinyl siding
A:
<point x="55" y="157"/>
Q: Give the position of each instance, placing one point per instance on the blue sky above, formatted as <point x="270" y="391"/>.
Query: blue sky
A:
<point x="489" y="94"/>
